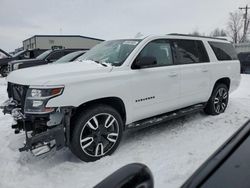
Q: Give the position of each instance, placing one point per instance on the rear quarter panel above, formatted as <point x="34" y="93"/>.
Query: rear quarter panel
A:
<point x="223" y="69"/>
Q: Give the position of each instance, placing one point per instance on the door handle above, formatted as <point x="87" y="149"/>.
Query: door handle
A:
<point x="173" y="74"/>
<point x="204" y="70"/>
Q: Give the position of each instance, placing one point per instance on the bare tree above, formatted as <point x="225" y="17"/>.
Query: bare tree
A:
<point x="235" y="26"/>
<point x="218" y="33"/>
<point x="195" y="33"/>
<point x="138" y="35"/>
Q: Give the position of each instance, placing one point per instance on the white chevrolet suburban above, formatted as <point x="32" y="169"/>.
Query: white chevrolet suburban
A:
<point x="119" y="85"/>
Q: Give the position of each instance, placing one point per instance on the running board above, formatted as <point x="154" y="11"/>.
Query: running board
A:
<point x="167" y="116"/>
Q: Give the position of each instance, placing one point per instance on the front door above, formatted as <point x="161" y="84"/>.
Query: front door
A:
<point x="155" y="89"/>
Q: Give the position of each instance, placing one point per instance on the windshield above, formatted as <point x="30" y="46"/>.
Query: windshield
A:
<point x="18" y="53"/>
<point x="114" y="52"/>
<point x="69" y="57"/>
<point x="43" y="55"/>
<point x="2" y="55"/>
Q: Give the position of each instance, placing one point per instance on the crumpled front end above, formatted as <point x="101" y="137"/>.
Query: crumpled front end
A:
<point x="43" y="131"/>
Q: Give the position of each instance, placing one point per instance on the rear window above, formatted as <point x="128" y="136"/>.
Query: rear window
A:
<point x="224" y="51"/>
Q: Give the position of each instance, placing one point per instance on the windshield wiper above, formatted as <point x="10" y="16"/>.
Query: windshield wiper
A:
<point x="103" y="64"/>
<point x="98" y="62"/>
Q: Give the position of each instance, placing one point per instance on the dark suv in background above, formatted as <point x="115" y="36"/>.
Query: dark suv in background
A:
<point x="24" y="54"/>
<point x="244" y="58"/>
<point x="4" y="54"/>
<point x="48" y="56"/>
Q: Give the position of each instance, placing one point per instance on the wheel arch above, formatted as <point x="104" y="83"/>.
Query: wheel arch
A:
<point x="224" y="80"/>
<point x="115" y="102"/>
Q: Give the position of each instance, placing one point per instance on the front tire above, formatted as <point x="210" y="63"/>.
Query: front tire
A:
<point x="218" y="101"/>
<point x="4" y="71"/>
<point x="97" y="133"/>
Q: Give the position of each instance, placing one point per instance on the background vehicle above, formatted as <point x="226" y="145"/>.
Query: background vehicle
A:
<point x="227" y="167"/>
<point x="4" y="54"/>
<point x="244" y="58"/>
<point x="70" y="57"/>
<point x="48" y="56"/>
<point x="120" y="85"/>
<point x="25" y="54"/>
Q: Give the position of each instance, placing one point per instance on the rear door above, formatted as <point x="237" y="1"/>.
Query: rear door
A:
<point x="193" y="60"/>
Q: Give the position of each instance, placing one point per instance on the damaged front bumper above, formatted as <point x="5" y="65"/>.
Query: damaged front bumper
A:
<point x="45" y="141"/>
<point x="42" y="132"/>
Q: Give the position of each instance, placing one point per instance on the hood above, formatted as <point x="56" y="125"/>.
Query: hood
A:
<point x="53" y="74"/>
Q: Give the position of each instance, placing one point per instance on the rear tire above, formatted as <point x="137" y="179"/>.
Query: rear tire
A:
<point x="97" y="133"/>
<point x="218" y="101"/>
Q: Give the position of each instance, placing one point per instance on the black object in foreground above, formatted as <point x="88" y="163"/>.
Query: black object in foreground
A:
<point x="228" y="167"/>
<point x="130" y="176"/>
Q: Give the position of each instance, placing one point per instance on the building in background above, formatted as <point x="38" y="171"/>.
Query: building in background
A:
<point x="67" y="41"/>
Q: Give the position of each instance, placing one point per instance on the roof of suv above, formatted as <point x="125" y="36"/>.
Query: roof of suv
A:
<point x="188" y="37"/>
<point x="194" y="36"/>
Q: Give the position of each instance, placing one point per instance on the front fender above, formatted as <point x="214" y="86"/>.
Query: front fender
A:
<point x="76" y="94"/>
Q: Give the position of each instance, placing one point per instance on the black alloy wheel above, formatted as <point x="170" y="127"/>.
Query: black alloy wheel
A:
<point x="97" y="133"/>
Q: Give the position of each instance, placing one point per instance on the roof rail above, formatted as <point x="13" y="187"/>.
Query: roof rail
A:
<point x="186" y="35"/>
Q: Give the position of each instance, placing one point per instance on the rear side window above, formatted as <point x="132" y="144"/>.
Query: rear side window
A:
<point x="202" y="52"/>
<point x="224" y="51"/>
<point x="190" y="51"/>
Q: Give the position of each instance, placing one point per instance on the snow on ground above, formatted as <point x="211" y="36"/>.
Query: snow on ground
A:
<point x="173" y="150"/>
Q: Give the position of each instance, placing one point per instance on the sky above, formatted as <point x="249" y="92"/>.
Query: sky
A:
<point x="110" y="19"/>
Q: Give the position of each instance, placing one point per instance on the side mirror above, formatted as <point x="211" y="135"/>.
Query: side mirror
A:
<point x="145" y="61"/>
<point x="49" y="60"/>
<point x="133" y="176"/>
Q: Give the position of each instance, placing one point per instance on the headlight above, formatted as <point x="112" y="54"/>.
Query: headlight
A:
<point x="37" y="98"/>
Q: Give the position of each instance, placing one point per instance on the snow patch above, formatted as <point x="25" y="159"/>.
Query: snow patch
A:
<point x="173" y="150"/>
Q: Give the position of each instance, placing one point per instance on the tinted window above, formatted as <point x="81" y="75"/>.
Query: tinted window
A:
<point x="190" y="51"/>
<point x="224" y="51"/>
<point x="44" y="55"/>
<point x="248" y="58"/>
<point x="19" y="53"/>
<point x="161" y="50"/>
<point x="55" y="55"/>
<point x="32" y="55"/>
<point x="202" y="52"/>
<point x="66" y="52"/>
<point x="70" y="57"/>
<point x="26" y="55"/>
